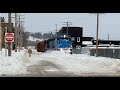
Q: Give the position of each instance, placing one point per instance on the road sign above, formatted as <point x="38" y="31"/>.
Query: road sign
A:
<point x="9" y="37"/>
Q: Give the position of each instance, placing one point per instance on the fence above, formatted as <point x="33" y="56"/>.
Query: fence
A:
<point x="112" y="52"/>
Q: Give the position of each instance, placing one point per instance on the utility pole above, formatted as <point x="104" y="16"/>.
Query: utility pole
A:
<point x="52" y="41"/>
<point x="67" y="28"/>
<point x="67" y="23"/>
<point x="51" y="36"/>
<point x="0" y="41"/>
<point x="56" y="29"/>
<point x="16" y="32"/>
<point x="97" y="14"/>
<point x="0" y="37"/>
<point x="108" y="36"/>
<point x="19" y="34"/>
<point x="9" y="31"/>
<point x="20" y="28"/>
<point x="6" y="42"/>
<point x="97" y="35"/>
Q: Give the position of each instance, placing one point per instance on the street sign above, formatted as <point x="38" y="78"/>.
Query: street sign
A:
<point x="9" y="37"/>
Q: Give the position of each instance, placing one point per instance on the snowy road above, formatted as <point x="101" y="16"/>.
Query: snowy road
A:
<point x="59" y="64"/>
<point x="42" y="67"/>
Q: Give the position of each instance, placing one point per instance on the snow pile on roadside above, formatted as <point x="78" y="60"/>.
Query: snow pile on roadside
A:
<point x="80" y="63"/>
<point x="12" y="65"/>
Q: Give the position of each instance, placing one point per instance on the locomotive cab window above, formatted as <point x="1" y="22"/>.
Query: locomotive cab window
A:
<point x="78" y="39"/>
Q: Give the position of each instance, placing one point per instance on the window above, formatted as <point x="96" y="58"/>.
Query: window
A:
<point x="78" y="39"/>
<point x="78" y="47"/>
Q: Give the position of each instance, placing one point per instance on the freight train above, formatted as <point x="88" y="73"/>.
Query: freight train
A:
<point x="60" y="43"/>
<point x="63" y="41"/>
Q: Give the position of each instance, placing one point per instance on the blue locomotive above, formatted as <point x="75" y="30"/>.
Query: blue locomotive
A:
<point x="61" y="43"/>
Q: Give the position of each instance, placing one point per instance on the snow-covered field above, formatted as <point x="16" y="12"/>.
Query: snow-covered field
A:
<point x="12" y="65"/>
<point x="30" y="38"/>
<point x="79" y="63"/>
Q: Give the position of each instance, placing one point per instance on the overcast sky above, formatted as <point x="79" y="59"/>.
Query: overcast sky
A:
<point x="45" y="23"/>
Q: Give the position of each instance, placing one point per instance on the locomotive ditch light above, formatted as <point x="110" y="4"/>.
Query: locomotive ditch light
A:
<point x="64" y="36"/>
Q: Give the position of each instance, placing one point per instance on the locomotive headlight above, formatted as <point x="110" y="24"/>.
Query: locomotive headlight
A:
<point x="64" y="36"/>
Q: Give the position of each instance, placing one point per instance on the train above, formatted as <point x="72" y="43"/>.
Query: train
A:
<point x="63" y="41"/>
<point x="59" y="43"/>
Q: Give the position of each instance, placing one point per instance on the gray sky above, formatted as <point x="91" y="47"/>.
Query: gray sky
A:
<point x="45" y="22"/>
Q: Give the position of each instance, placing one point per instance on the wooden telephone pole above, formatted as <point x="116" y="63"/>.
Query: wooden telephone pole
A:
<point x="16" y="36"/>
<point x="9" y="31"/>
<point x="97" y="35"/>
<point x="108" y="36"/>
<point x="0" y="37"/>
<point x="56" y="29"/>
<point x="19" y="33"/>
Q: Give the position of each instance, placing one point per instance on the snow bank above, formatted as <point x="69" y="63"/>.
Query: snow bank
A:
<point x="12" y="65"/>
